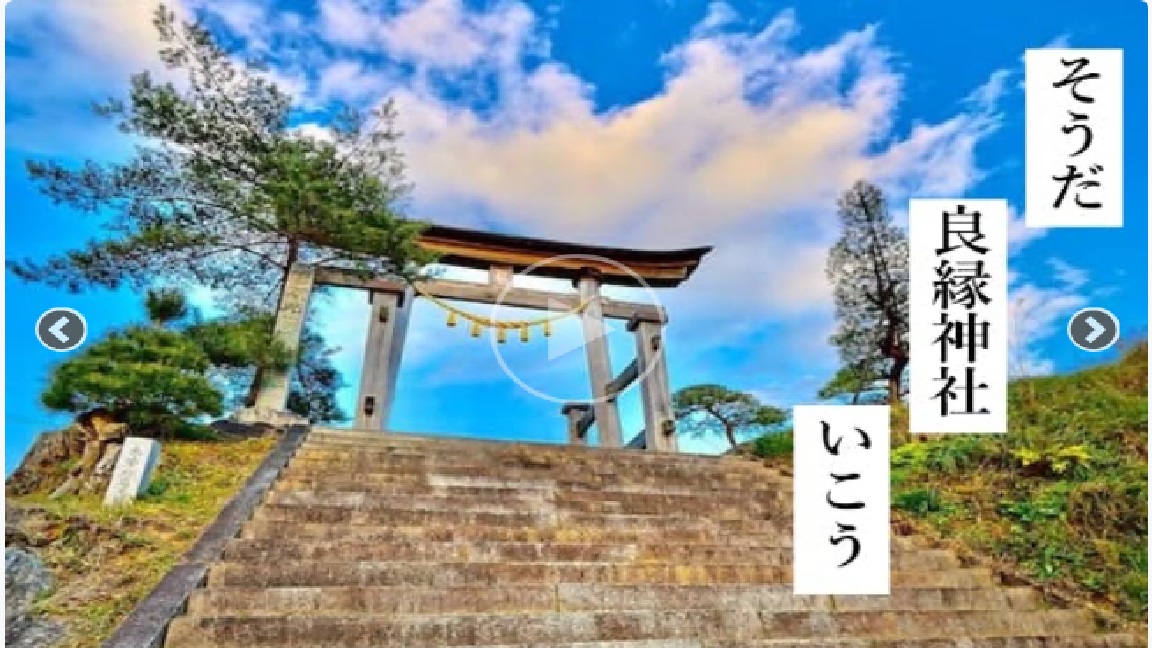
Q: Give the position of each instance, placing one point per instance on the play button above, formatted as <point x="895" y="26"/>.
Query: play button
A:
<point x="563" y="344"/>
<point x="564" y="338"/>
<point x="1093" y="329"/>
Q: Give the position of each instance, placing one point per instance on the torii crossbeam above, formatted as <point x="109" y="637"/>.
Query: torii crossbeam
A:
<point x="588" y="267"/>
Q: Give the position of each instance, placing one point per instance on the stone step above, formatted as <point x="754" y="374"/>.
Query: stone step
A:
<point x="540" y="501"/>
<point x="527" y="459"/>
<point x="1020" y="641"/>
<point x="531" y="460"/>
<point x="349" y="549"/>
<point x="524" y="488"/>
<point x="333" y="572"/>
<point x="261" y="527"/>
<point x="452" y="446"/>
<point x="555" y="480"/>
<point x="661" y="502"/>
<point x="770" y="537"/>
<point x="312" y="466"/>
<point x="398" y="516"/>
<point x="342" y="601"/>
<point x="739" y="624"/>
<point x="479" y="448"/>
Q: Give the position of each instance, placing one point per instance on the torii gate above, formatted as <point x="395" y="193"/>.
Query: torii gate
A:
<point x="588" y="267"/>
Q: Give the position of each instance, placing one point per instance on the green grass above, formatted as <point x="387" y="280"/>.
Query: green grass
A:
<point x="105" y="560"/>
<point x="1061" y="500"/>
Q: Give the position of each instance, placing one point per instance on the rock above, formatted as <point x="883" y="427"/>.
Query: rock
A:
<point x="278" y="418"/>
<point x="25" y="580"/>
<point x="27" y="526"/>
<point x="41" y="466"/>
<point x="102" y="473"/>
<point x="33" y="632"/>
<point x="87" y="439"/>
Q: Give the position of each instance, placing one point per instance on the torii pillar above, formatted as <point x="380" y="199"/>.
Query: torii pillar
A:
<point x="599" y="361"/>
<point x="293" y="308"/>
<point x="384" y="348"/>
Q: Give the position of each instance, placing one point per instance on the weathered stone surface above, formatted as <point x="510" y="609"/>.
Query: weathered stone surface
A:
<point x="546" y="629"/>
<point x="267" y="416"/>
<point x="26" y="579"/>
<point x="104" y="469"/>
<point x="342" y="601"/>
<point x="372" y="539"/>
<point x="134" y="465"/>
<point x="40" y="466"/>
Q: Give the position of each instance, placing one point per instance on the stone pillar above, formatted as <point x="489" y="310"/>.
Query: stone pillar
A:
<point x="575" y="412"/>
<point x="383" y="351"/>
<point x="133" y="472"/>
<point x="290" y="316"/>
<point x="599" y="362"/>
<point x="651" y="361"/>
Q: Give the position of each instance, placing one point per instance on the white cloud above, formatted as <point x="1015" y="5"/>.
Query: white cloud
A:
<point x="745" y="146"/>
<point x="1070" y="277"/>
<point x="350" y="81"/>
<point x="1019" y="235"/>
<point x="1037" y="312"/>
<point x="62" y="56"/>
<point x="433" y="34"/>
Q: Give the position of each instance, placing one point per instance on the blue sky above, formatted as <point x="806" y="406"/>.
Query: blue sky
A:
<point x="652" y="123"/>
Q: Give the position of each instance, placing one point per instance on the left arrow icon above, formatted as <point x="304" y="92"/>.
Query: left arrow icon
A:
<point x="57" y="329"/>
<point x="61" y="329"/>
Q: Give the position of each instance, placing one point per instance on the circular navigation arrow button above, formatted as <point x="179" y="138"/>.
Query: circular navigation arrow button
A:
<point x="61" y="329"/>
<point x="1094" y="329"/>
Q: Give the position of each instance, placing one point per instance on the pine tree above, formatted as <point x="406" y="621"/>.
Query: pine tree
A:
<point x="717" y="410"/>
<point x="157" y="376"/>
<point x="854" y="381"/>
<point x="868" y="268"/>
<point x="223" y="193"/>
<point x="316" y="381"/>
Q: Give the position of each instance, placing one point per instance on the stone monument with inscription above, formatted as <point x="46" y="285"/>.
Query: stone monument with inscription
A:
<point x="133" y="470"/>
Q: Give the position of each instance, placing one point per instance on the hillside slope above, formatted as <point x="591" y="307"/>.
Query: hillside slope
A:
<point x="1059" y="502"/>
<point x="104" y="561"/>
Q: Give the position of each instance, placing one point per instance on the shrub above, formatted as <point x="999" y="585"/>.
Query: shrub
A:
<point x="157" y="377"/>
<point x="154" y="376"/>
<point x="1055" y="460"/>
<point x="919" y="501"/>
<point x="777" y="444"/>
<point x="950" y="456"/>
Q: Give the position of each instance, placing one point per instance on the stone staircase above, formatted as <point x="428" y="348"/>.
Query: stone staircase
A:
<point x="374" y="540"/>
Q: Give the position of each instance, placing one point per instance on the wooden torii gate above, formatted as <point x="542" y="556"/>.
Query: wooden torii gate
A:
<point x="588" y="267"/>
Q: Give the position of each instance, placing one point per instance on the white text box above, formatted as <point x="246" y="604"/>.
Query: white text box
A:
<point x="958" y="316"/>
<point x="1074" y="138"/>
<point x="834" y="473"/>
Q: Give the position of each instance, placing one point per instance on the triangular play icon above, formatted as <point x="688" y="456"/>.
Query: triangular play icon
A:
<point x="569" y="337"/>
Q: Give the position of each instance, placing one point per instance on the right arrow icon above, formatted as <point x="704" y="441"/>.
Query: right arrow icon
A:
<point x="1093" y="329"/>
<point x="1097" y="330"/>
